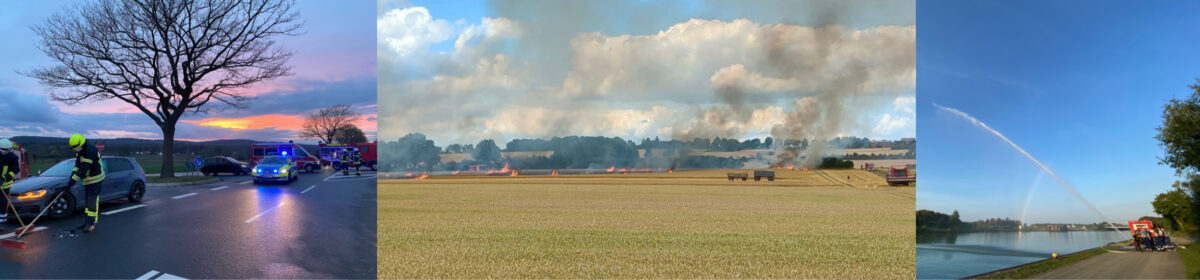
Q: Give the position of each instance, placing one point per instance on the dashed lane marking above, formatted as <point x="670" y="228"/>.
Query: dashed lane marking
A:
<point x="263" y="212"/>
<point x="147" y="276"/>
<point x="219" y="188"/>
<point x="308" y="189"/>
<point x="124" y="209"/>
<point x="182" y="196"/>
<point x="164" y="276"/>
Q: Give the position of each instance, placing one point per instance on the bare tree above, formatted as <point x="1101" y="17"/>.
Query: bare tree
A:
<point x="326" y="123"/>
<point x="165" y="57"/>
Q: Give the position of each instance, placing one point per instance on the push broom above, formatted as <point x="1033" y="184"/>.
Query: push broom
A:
<point x="15" y="242"/>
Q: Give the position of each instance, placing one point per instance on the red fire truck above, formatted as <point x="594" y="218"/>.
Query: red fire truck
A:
<point x="299" y="155"/>
<point x="898" y="175"/>
<point x="369" y="154"/>
<point x="1136" y="226"/>
<point x="329" y="153"/>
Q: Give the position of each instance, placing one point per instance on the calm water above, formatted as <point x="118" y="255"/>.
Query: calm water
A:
<point x="941" y="256"/>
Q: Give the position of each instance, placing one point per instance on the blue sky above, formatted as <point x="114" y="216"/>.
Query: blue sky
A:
<point x="638" y="69"/>
<point x="334" y="59"/>
<point x="1079" y="86"/>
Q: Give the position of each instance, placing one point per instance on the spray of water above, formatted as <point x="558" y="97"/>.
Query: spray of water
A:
<point x="980" y="124"/>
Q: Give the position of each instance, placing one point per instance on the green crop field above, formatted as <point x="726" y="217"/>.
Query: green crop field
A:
<point x="643" y="226"/>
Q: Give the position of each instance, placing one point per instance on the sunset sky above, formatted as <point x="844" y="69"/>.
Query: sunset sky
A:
<point x="333" y="63"/>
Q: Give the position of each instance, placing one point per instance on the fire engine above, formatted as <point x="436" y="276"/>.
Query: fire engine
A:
<point x="297" y="153"/>
<point x="898" y="175"/>
<point x="329" y="153"/>
<point x="369" y="154"/>
<point x="1136" y="226"/>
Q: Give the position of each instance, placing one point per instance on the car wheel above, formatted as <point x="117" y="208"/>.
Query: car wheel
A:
<point x="136" y="192"/>
<point x="373" y="167"/>
<point x="63" y="206"/>
<point x="310" y="168"/>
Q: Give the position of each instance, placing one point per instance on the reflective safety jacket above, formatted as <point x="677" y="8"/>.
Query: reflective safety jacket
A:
<point x="88" y="167"/>
<point x="9" y="167"/>
<point x="356" y="157"/>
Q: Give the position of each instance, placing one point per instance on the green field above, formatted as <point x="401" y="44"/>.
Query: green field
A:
<point x="682" y="225"/>
<point x="152" y="164"/>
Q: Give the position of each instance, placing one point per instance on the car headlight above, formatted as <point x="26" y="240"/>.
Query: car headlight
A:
<point x="32" y="195"/>
<point x="283" y="170"/>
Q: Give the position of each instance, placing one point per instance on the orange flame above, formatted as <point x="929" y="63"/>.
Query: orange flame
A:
<point x="505" y="169"/>
<point x="611" y="168"/>
<point x="514" y="173"/>
<point x="672" y="170"/>
<point x="554" y="173"/>
<point x="423" y="176"/>
<point x="455" y="172"/>
<point x="409" y="174"/>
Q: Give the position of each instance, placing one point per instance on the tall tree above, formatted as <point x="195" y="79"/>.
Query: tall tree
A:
<point x="166" y="57"/>
<point x="325" y="123"/>
<point x="349" y="134"/>
<point x="1179" y="134"/>
<point x="486" y="150"/>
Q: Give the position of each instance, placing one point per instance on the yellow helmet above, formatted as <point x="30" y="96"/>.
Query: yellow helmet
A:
<point x="77" y="141"/>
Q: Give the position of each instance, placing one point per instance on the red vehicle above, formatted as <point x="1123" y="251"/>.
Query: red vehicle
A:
<point x="304" y="160"/>
<point x="1136" y="226"/>
<point x="369" y="154"/>
<point x="329" y="152"/>
<point x="898" y="175"/>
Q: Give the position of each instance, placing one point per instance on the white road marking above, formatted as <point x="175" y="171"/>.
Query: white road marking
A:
<point x="263" y="212"/>
<point x="148" y="275"/>
<point x="220" y="188"/>
<point x="124" y="209"/>
<point x="182" y="196"/>
<point x="167" y="276"/>
<point x="247" y="182"/>
<point x="309" y="188"/>
<point x="11" y="234"/>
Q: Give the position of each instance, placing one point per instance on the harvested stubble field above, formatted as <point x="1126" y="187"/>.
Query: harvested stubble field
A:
<point x="690" y="224"/>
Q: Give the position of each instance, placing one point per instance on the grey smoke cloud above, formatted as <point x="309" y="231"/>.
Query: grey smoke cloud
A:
<point x="639" y="69"/>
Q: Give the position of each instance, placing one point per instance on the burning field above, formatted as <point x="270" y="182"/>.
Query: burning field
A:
<point x="684" y="224"/>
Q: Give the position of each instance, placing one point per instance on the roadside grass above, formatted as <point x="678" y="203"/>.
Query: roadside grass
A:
<point x="151" y="164"/>
<point x="582" y="227"/>
<point x="1191" y="259"/>
<point x="1029" y="270"/>
<point x="180" y="179"/>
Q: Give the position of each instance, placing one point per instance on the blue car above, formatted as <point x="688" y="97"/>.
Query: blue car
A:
<point x="123" y="178"/>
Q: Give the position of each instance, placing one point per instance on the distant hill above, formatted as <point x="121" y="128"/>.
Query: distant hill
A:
<point x="55" y="148"/>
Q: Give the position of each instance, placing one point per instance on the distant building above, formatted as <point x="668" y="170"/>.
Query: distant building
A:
<point x="881" y="144"/>
<point x="908" y="140"/>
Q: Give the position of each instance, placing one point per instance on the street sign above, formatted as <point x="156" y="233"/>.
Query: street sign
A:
<point x="100" y="146"/>
<point x="198" y="162"/>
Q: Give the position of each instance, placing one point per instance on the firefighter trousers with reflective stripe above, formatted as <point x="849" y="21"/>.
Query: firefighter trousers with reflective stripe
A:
<point x="91" y="201"/>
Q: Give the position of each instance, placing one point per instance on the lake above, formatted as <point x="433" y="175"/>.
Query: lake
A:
<point x="948" y="255"/>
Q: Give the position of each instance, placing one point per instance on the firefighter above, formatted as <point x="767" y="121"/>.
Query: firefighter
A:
<point x="345" y="163"/>
<point x="356" y="159"/>
<point x="90" y="173"/>
<point x="10" y="166"/>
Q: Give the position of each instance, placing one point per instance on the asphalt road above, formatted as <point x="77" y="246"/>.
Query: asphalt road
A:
<point x="1122" y="265"/>
<point x="321" y="226"/>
